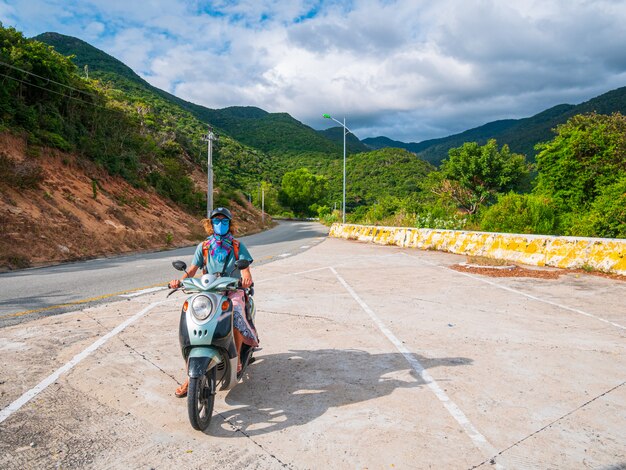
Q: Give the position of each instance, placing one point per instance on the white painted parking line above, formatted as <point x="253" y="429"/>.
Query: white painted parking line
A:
<point x="143" y="291"/>
<point x="284" y="255"/>
<point x="41" y="386"/>
<point x="477" y="438"/>
<point x="305" y="247"/>
<point x="515" y="291"/>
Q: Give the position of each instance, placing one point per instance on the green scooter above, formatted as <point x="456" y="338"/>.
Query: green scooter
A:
<point x="206" y="339"/>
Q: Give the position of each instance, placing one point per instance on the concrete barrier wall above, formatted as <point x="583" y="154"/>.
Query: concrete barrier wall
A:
<point x="602" y="254"/>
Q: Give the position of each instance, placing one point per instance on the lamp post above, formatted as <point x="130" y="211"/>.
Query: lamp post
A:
<point x="209" y="137"/>
<point x="345" y="132"/>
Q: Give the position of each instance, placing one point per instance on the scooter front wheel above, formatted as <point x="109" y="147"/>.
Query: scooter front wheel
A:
<point x="200" y="400"/>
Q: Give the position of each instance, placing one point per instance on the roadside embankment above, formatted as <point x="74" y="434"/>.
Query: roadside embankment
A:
<point x="602" y="254"/>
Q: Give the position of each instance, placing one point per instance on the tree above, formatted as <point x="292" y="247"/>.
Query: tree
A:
<point x="474" y="174"/>
<point x="301" y="189"/>
<point x="587" y="155"/>
<point x="266" y="194"/>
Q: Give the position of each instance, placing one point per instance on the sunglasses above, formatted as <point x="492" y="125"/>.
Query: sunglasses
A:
<point x="221" y="221"/>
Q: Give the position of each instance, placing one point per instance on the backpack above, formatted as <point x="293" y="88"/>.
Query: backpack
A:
<point x="205" y="255"/>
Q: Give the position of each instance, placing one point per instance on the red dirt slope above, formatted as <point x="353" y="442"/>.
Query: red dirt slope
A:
<point x="62" y="219"/>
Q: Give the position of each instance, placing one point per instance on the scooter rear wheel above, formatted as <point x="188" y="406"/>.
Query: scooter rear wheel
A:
<point x="200" y="400"/>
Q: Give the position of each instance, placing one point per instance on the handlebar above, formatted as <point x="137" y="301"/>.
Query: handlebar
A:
<point x="247" y="290"/>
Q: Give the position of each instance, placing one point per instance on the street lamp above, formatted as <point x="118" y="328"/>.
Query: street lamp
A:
<point x="345" y="132"/>
<point x="210" y="137"/>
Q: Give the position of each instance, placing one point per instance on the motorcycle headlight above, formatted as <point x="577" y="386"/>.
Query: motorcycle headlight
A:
<point x="201" y="307"/>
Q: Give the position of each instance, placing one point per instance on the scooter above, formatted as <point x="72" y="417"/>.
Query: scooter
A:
<point x="206" y="339"/>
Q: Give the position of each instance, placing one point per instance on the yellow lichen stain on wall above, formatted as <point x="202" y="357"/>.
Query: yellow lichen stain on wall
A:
<point x="608" y="255"/>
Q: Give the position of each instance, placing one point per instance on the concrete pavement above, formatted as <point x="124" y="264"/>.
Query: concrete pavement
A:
<point x="373" y="357"/>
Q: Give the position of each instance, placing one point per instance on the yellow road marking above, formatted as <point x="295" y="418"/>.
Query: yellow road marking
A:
<point x="77" y="302"/>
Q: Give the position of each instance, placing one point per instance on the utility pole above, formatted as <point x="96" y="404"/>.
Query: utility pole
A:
<point x="345" y="131"/>
<point x="209" y="137"/>
<point x="262" y="205"/>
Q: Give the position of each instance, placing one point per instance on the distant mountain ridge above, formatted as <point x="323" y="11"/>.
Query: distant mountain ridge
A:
<point x="520" y="134"/>
<point x="353" y="144"/>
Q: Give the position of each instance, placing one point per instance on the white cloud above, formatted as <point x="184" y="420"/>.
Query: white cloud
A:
<point x="93" y="30"/>
<point x="409" y="69"/>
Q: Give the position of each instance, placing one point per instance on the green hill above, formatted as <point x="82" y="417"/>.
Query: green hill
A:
<point x="385" y="172"/>
<point x="115" y="119"/>
<point x="353" y="144"/>
<point x="268" y="132"/>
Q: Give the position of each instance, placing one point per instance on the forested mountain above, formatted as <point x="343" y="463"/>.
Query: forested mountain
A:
<point x="90" y="168"/>
<point x="520" y="134"/>
<point x="115" y="119"/>
<point x="268" y="132"/>
<point x="156" y="138"/>
<point x="353" y="144"/>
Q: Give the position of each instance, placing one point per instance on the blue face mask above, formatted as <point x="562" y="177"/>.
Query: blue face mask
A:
<point x="221" y="226"/>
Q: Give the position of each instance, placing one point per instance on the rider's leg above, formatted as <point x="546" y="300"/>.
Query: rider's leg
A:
<point x="182" y="390"/>
<point x="238" y="343"/>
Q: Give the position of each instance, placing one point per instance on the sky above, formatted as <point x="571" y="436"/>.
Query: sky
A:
<point x="410" y="70"/>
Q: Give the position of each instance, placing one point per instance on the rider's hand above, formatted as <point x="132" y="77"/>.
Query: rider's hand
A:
<point x="246" y="278"/>
<point x="175" y="284"/>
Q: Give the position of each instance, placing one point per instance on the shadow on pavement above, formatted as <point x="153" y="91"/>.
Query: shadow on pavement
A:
<point x="290" y="389"/>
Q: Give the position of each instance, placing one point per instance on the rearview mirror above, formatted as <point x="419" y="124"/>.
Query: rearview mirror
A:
<point x="242" y="264"/>
<point x="179" y="265"/>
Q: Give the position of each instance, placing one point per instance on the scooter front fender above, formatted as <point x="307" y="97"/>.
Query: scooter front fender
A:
<point x="202" y="359"/>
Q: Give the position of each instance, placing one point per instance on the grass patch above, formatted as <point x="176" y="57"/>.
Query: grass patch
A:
<point x="484" y="261"/>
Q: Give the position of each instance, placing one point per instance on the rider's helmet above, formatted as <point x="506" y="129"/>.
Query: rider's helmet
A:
<point x="221" y="211"/>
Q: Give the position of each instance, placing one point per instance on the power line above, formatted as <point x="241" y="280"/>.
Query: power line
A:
<point x="48" y="79"/>
<point x="56" y="92"/>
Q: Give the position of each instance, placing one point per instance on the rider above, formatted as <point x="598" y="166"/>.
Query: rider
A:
<point x="217" y="254"/>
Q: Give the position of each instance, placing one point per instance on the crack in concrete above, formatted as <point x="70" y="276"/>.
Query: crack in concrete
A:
<point x="299" y="316"/>
<point x="142" y="355"/>
<point x="491" y="460"/>
<point x="245" y="434"/>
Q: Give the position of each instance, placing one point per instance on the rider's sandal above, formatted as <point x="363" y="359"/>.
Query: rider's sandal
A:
<point x="181" y="391"/>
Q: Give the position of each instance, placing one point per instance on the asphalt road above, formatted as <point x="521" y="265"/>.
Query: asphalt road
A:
<point x="37" y="292"/>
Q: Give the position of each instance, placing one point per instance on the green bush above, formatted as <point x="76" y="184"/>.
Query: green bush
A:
<point x="521" y="213"/>
<point x="287" y="215"/>
<point x="607" y="215"/>
<point x="446" y="222"/>
<point x="331" y="218"/>
<point x="382" y="210"/>
<point x="323" y="211"/>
